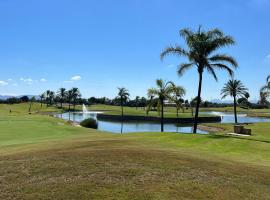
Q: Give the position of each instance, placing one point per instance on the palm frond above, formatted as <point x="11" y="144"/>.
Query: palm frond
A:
<point x="212" y="72"/>
<point x="224" y="58"/>
<point x="173" y="50"/>
<point x="223" y="67"/>
<point x="183" y="67"/>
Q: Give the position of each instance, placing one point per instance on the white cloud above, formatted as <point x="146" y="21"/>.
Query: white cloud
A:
<point x="27" y="80"/>
<point x="3" y="83"/>
<point x="268" y="56"/>
<point x="15" y="84"/>
<point x="43" y="80"/>
<point x="10" y="79"/>
<point x="76" y="78"/>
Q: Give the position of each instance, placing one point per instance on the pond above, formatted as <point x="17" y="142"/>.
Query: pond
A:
<point x="227" y="117"/>
<point x="127" y="127"/>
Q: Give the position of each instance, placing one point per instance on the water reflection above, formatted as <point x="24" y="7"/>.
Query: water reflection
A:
<point x="227" y="117"/>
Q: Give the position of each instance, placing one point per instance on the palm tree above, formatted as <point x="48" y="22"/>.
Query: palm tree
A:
<point x="75" y="95"/>
<point x="263" y="98"/>
<point x="30" y="105"/>
<point x="62" y="95"/>
<point x="42" y="96"/>
<point x="123" y="94"/>
<point x="69" y="98"/>
<point x="235" y="89"/>
<point x="266" y="87"/>
<point x="51" y="97"/>
<point x="137" y="100"/>
<point x="178" y="93"/>
<point x="162" y="92"/>
<point x="201" y="47"/>
<point x="48" y="92"/>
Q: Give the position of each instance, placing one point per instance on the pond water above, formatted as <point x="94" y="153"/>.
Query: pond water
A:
<point x="227" y="117"/>
<point x="127" y="127"/>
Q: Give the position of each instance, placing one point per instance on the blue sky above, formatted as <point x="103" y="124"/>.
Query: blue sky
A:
<point x="101" y="45"/>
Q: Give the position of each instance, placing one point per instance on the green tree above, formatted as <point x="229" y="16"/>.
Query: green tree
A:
<point x="123" y="95"/>
<point x="75" y="96"/>
<point x="62" y="95"/>
<point x="235" y="89"/>
<point x="266" y="87"/>
<point x="137" y="100"/>
<point x="263" y="98"/>
<point x="42" y="97"/>
<point x="201" y="46"/>
<point x="69" y="98"/>
<point x="177" y="97"/>
<point x="162" y="92"/>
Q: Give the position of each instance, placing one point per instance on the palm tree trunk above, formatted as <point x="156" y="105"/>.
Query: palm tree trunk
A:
<point x="122" y="110"/>
<point x="234" y="107"/>
<point x="69" y="106"/>
<point x="41" y="103"/>
<point x="61" y="104"/>
<point x="198" y="104"/>
<point x="162" y="116"/>
<point x="29" y="110"/>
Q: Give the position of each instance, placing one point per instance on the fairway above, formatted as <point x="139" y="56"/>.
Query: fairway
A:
<point x="46" y="158"/>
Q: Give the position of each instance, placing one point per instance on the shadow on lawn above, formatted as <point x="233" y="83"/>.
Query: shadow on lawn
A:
<point x="212" y="136"/>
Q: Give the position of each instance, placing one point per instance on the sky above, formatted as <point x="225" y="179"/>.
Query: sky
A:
<point x="99" y="45"/>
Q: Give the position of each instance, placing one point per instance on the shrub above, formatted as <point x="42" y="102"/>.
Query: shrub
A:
<point x="89" y="123"/>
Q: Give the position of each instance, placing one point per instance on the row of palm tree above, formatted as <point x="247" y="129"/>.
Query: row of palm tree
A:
<point x="63" y="95"/>
<point x="169" y="91"/>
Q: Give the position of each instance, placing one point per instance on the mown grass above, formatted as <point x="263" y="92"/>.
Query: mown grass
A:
<point x="46" y="158"/>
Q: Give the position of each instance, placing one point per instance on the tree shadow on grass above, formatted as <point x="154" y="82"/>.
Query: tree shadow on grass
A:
<point x="212" y="136"/>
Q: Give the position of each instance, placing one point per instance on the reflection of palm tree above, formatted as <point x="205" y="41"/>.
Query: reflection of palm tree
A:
<point x="234" y="88"/>
<point x="201" y="46"/>
<point x="123" y="94"/>
<point x="162" y="92"/>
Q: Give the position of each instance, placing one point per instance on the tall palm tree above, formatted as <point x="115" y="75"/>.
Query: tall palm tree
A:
<point x="162" y="92"/>
<point x="123" y="94"/>
<point x="235" y="89"/>
<point x="42" y="96"/>
<point x="62" y="95"/>
<point x="75" y="95"/>
<point x="178" y="93"/>
<point x="200" y="53"/>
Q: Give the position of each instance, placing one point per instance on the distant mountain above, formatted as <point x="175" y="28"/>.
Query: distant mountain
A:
<point x="221" y="101"/>
<point x="5" y="97"/>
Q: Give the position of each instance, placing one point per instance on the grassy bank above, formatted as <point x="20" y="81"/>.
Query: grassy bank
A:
<point x="45" y="158"/>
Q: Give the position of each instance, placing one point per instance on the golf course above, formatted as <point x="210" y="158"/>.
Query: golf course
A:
<point x="43" y="157"/>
